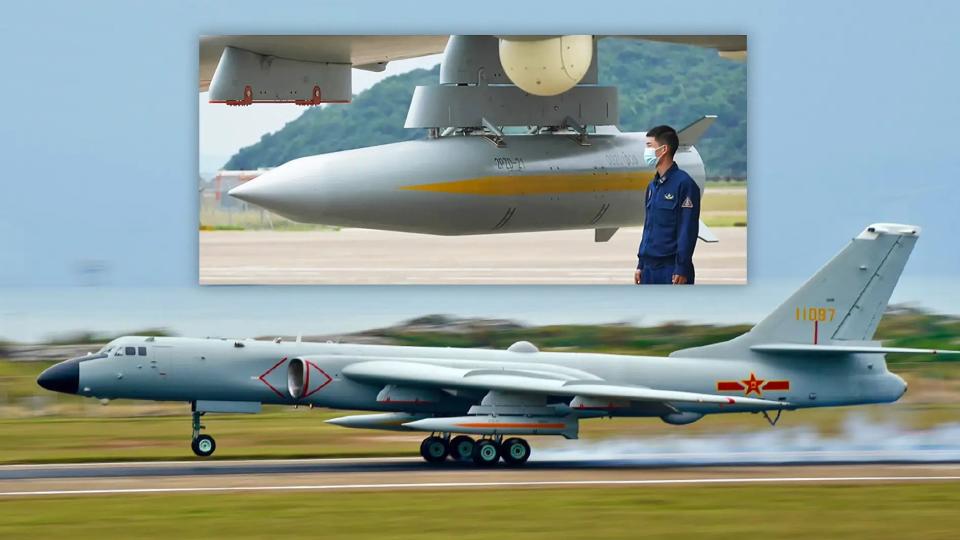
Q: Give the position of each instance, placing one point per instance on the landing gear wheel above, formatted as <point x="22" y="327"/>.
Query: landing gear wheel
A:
<point x="515" y="451"/>
<point x="486" y="453"/>
<point x="461" y="448"/>
<point x="203" y="445"/>
<point x="433" y="449"/>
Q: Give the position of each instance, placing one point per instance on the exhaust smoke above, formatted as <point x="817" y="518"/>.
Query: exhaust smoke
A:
<point x="861" y="440"/>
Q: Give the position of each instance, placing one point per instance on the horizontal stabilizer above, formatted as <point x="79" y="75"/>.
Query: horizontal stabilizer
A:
<point x="692" y="133"/>
<point x="800" y="348"/>
<point x="705" y="234"/>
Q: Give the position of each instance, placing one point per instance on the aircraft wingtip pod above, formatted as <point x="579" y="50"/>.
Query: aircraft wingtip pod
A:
<point x="899" y="229"/>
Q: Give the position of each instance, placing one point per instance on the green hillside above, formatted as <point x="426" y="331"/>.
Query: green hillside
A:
<point x="659" y="84"/>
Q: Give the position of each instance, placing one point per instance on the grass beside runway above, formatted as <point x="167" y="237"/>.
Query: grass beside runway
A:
<point x="874" y="511"/>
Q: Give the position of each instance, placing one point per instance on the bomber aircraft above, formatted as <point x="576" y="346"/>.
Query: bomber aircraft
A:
<point x="521" y="137"/>
<point x="814" y="350"/>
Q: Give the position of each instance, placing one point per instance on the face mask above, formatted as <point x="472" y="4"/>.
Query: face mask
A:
<point x="650" y="155"/>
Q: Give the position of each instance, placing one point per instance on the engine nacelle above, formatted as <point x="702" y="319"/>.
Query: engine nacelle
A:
<point x="681" y="418"/>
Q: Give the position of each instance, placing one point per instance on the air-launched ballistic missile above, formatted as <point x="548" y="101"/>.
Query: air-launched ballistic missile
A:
<point x="468" y="184"/>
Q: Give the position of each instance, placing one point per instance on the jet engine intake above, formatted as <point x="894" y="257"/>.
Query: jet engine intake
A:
<point x="297" y="378"/>
<point x="305" y="378"/>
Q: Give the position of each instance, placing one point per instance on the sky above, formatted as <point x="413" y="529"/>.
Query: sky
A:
<point x="852" y="119"/>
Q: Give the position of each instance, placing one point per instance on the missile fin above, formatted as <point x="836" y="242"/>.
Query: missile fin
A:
<point x="605" y="234"/>
<point x="692" y="133"/>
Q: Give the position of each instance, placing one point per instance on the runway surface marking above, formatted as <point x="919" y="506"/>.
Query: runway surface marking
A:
<point x="502" y="484"/>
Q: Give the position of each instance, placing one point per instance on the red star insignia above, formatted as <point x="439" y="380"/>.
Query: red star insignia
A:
<point x="753" y="384"/>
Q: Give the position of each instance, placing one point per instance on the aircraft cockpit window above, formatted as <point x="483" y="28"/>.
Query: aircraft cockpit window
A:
<point x="141" y="351"/>
<point x="130" y="351"/>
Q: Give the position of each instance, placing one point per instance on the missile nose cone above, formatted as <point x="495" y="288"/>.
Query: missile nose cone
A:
<point x="249" y="191"/>
<point x="63" y="377"/>
<point x="284" y="190"/>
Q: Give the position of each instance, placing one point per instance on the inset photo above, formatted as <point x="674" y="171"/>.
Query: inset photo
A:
<point x="482" y="159"/>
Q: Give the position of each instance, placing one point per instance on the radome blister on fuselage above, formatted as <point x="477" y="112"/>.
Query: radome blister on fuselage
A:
<point x="462" y="185"/>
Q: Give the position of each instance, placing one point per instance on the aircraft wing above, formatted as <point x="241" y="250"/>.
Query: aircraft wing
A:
<point x="362" y="52"/>
<point x="373" y="52"/>
<point x="809" y="349"/>
<point x="729" y="46"/>
<point x="538" y="381"/>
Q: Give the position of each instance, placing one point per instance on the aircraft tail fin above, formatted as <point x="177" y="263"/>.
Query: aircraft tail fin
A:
<point x="691" y="134"/>
<point x="842" y="303"/>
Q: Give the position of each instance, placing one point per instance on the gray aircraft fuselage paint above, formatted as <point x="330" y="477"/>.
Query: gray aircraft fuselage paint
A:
<point x="190" y="369"/>
<point x="462" y="185"/>
<point x="795" y="367"/>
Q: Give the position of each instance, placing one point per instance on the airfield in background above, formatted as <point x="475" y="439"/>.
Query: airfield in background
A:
<point x="240" y="246"/>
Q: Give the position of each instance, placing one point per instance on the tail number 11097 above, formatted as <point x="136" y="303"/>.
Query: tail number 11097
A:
<point x="813" y="313"/>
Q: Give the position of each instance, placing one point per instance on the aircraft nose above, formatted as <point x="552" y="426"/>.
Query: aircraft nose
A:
<point x="898" y="386"/>
<point x="63" y="377"/>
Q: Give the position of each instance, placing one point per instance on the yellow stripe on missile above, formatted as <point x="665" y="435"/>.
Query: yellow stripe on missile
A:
<point x="539" y="184"/>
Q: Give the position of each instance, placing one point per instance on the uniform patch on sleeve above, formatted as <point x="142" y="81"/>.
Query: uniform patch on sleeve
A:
<point x="687" y="203"/>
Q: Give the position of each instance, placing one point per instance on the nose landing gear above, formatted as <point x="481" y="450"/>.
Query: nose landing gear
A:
<point x="202" y="445"/>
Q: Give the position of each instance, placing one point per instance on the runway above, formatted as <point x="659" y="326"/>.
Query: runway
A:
<point x="362" y="256"/>
<point x="393" y="474"/>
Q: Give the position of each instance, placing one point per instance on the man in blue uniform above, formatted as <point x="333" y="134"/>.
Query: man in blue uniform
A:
<point x="672" y="219"/>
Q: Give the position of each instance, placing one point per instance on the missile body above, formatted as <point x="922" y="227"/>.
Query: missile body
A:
<point x="500" y="425"/>
<point x="385" y="421"/>
<point x="466" y="184"/>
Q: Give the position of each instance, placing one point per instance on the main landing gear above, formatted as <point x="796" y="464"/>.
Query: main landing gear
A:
<point x="484" y="452"/>
<point x="202" y="445"/>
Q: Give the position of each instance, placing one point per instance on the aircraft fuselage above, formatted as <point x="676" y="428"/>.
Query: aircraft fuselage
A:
<point x="185" y="369"/>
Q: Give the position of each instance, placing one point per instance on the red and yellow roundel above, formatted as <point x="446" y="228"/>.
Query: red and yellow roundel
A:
<point x="753" y="385"/>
